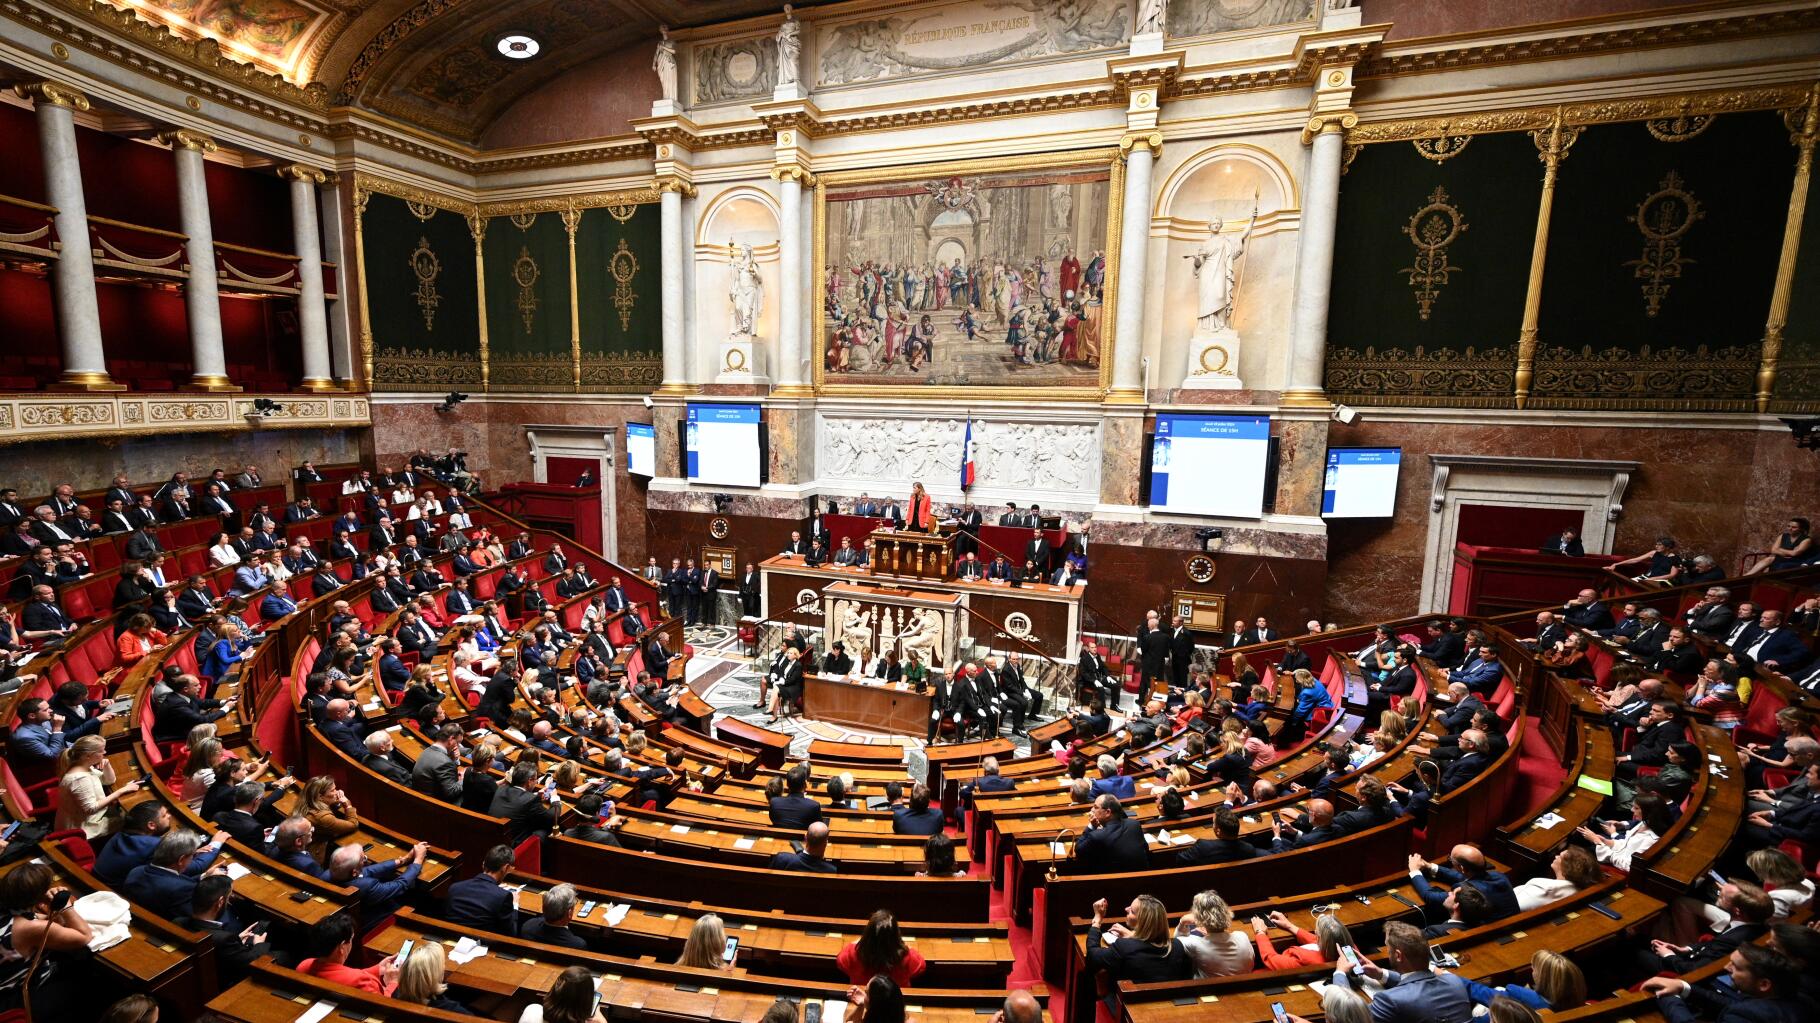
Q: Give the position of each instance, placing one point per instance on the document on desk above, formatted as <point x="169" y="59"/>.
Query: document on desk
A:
<point x="236" y="871"/>
<point x="466" y="950"/>
<point x="834" y="1010"/>
<point x="744" y="843"/>
<point x="1548" y="820"/>
<point x="616" y="912"/>
<point x="318" y="1011"/>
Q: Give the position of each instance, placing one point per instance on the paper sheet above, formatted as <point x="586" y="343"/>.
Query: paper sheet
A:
<point x="617" y="912"/>
<point x="319" y="1010"/>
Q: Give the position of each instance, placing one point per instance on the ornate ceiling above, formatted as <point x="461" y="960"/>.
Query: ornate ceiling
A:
<point x="431" y="63"/>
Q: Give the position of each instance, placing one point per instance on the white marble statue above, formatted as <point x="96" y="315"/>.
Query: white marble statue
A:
<point x="789" y="49"/>
<point x="855" y="628"/>
<point x="1151" y="15"/>
<point x="747" y="291"/>
<point x="1217" y="266"/>
<point x="922" y="635"/>
<point x="664" y="63"/>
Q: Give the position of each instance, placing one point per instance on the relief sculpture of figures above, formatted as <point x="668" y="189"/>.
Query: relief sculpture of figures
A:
<point x="1151" y="16"/>
<point x="789" y="49"/>
<point x="664" y="63"/>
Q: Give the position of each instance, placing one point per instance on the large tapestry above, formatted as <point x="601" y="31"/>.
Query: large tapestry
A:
<point x="420" y="298"/>
<point x="1430" y="268"/>
<point x="966" y="276"/>
<point x="528" y="311"/>
<point x="1661" y="260"/>
<point x="617" y="255"/>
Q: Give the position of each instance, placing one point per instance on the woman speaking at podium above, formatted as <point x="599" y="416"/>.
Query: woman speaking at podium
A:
<point x="921" y="517"/>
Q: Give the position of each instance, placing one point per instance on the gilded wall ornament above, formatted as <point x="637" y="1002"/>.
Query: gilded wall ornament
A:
<point x="525" y="274"/>
<point x="1679" y="128"/>
<point x="1443" y="148"/>
<point x="624" y="267"/>
<point x="523" y="221"/>
<point x="427" y="268"/>
<point x="1664" y="218"/>
<point x="1432" y="229"/>
<point x="622" y="212"/>
<point x="421" y="210"/>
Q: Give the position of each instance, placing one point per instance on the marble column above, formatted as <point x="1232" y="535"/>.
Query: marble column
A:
<point x="201" y="296"/>
<point x="1314" y="260"/>
<point x="73" y="275"/>
<point x="312" y="309"/>
<point x="676" y="369"/>
<point x="1134" y="255"/>
<point x="790" y="327"/>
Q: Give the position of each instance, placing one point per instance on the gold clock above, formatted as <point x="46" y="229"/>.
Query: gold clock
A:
<point x="719" y="528"/>
<point x="1200" y="568"/>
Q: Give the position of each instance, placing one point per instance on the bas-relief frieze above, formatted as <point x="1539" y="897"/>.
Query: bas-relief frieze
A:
<point x="1013" y="460"/>
<point x="1237" y="540"/>
<point x="968" y="36"/>
<point x="737" y="70"/>
<point x="1204" y="17"/>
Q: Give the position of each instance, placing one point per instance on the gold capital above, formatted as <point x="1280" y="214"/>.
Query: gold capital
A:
<point x="185" y="138"/>
<point x="1151" y="140"/>
<point x="672" y="183"/>
<point x="302" y="172"/>
<point x="793" y="172"/>
<point x="54" y="93"/>
<point x="1328" y="121"/>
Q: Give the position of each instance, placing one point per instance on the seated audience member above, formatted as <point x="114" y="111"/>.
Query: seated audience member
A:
<point x="482" y="901"/>
<point x="1574" y="869"/>
<point x="330" y="812"/>
<point x="423" y="980"/>
<point x="596" y="821"/>
<point x="382" y="758"/>
<point x="1322" y="945"/>
<point x="1464" y="865"/>
<point x="880" y="949"/>
<point x="918" y="817"/>
<point x="1112" y="843"/>
<point x="1748" y="909"/>
<point x="938" y="858"/>
<point x="1142" y="949"/>
<point x="1412" y="991"/>
<point x="1616" y="843"/>
<point x="812" y="858"/>
<point x="1760" y="984"/>
<point x="166" y="882"/>
<point x="84" y="801"/>
<point x="552" y="926"/>
<point x="795" y="810"/>
<point x="1224" y="848"/>
<point x="1793" y="549"/>
<point x="38" y="739"/>
<point x="570" y="1000"/>
<point x="333" y="940"/>
<point x="1556" y="985"/>
<point x="383" y="887"/>
<point x="1465" y="907"/>
<point x="1660" y="564"/>
<point x="1206" y="934"/>
<point x="1110" y="781"/>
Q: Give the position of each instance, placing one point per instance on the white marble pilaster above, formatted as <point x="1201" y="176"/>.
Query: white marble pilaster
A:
<point x="1134" y="257"/>
<point x="790" y="325"/>
<point x="1314" y="265"/>
<point x="73" y="275"/>
<point x="312" y="311"/>
<point x="201" y="295"/>
<point x="676" y="370"/>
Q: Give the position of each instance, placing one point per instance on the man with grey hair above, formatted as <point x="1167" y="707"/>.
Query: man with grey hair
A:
<point x="291" y="847"/>
<point x="382" y="886"/>
<point x="382" y="758"/>
<point x="1704" y="570"/>
<point x="553" y="927"/>
<point x="1803" y="751"/>
<point x="1710" y="618"/>
<point x="163" y="885"/>
<point x="1652" y="633"/>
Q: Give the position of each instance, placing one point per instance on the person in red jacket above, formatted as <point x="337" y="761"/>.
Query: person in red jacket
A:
<point x="333" y="940"/>
<point x="880" y="949"/>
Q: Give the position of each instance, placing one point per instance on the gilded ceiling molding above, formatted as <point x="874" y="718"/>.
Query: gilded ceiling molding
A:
<point x="367" y="184"/>
<point x="1442" y="57"/>
<point x="389" y="37"/>
<point x="568" y="205"/>
<point x="1579" y="114"/>
<point x="640" y="150"/>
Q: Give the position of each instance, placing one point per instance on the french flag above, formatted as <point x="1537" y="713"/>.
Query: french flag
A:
<point x="967" y="457"/>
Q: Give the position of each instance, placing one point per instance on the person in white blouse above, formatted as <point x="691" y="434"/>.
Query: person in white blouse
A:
<point x="402" y="495"/>
<point x="276" y="570"/>
<point x="470" y="680"/>
<point x="83" y="799"/>
<point x="462" y="520"/>
<point x="431" y="506"/>
<point x="1206" y="933"/>
<point x="1782" y="878"/>
<point x="1574" y="869"/>
<point x="1620" y="843"/>
<point x="223" y="553"/>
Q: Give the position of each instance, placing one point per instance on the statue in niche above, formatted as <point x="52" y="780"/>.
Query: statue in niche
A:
<point x="747" y="292"/>
<point x="664" y="63"/>
<point x="1217" y="266"/>
<point x="789" y="49"/>
<point x="1151" y="15"/>
<point x="921" y="635"/>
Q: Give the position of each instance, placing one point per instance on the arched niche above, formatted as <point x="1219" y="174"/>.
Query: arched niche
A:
<point x="742" y="215"/>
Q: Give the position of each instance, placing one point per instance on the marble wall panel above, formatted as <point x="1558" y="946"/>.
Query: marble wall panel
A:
<point x="90" y="464"/>
<point x="1121" y="459"/>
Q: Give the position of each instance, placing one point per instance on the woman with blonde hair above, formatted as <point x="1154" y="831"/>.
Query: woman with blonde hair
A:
<point x="1341" y="1004"/>
<point x="1206" y="934"/>
<point x="1142" y="948"/>
<point x="1193" y="706"/>
<point x="422" y="979"/>
<point x="1179" y="778"/>
<point x="1322" y="945"/>
<point x="1392" y="722"/>
<point x="83" y="799"/>
<point x="567" y="776"/>
<point x="1310" y="696"/>
<point x="706" y="946"/>
<point x="205" y="757"/>
<point x="330" y="812"/>
<point x="1556" y="984"/>
<point x="636" y="743"/>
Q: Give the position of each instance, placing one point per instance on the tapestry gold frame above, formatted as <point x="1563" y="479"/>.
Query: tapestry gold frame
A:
<point x="476" y="214"/>
<point x="1107" y="157"/>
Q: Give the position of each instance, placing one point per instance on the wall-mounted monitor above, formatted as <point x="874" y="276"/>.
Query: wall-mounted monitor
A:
<point x="721" y="445"/>
<point x="641" y="449"/>
<point x="1360" y="483"/>
<point x="1210" y="465"/>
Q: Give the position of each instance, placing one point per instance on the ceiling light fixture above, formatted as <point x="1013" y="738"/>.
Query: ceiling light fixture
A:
<point x="518" y="46"/>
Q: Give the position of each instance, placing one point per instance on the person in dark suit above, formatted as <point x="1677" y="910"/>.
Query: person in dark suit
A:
<point x="1711" y="618"/>
<point x="1113" y="843"/>
<point x="482" y="901"/>
<point x="242" y="819"/>
<point x="235" y="946"/>
<point x="1181" y="652"/>
<point x="1678" y="657"/>
<point x="968" y="568"/>
<point x="166" y="883"/>
<point x="1319" y="828"/>
<point x="1225" y="847"/>
<point x="1037" y="550"/>
<point x="708" y="596"/>
<point x="812" y="859"/>
<point x="525" y="810"/>
<point x="1259" y="632"/>
<point x="1000" y="569"/>
<point x="1762" y="985"/>
<point x="1774" y="646"/>
<point x="596" y="821"/>
<point x="796" y="545"/>
<point x="1090" y="674"/>
<point x="1549" y="631"/>
<point x="749" y="591"/>
<point x="917" y="817"/>
<point x="794" y="809"/>
<point x="1153" y="650"/>
<point x="1566" y="543"/>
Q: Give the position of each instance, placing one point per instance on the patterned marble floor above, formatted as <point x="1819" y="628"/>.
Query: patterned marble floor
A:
<point x="721" y="674"/>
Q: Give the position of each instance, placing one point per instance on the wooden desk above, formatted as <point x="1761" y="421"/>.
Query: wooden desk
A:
<point x="773" y="748"/>
<point x="898" y="709"/>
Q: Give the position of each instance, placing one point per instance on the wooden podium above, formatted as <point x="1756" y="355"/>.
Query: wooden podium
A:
<point x="910" y="554"/>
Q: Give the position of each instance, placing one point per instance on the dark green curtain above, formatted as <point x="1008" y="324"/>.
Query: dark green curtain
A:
<point x="1798" y="373"/>
<point x="421" y="296"/>
<point x="1661" y="259"/>
<point x="618" y="278"/>
<point x="1417" y="324"/>
<point x="528" y="323"/>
